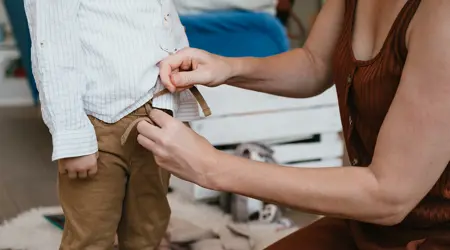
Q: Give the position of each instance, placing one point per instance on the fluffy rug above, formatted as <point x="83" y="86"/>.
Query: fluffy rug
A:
<point x="31" y="231"/>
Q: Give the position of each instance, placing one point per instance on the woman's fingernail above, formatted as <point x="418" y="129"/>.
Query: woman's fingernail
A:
<point x="173" y="79"/>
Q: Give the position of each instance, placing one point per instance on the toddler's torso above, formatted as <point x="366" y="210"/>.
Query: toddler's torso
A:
<point x="122" y="42"/>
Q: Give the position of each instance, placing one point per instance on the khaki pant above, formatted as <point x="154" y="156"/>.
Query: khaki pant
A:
<point x="127" y="196"/>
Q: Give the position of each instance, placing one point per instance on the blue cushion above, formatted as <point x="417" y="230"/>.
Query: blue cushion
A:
<point x="236" y="33"/>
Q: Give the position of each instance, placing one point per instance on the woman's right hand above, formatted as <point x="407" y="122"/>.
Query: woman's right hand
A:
<point x="190" y="67"/>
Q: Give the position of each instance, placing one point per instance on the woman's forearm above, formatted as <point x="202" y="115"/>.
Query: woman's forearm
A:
<point x="292" y="74"/>
<point x="345" y="192"/>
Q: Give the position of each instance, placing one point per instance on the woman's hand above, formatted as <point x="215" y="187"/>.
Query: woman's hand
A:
<point x="178" y="149"/>
<point x="190" y="67"/>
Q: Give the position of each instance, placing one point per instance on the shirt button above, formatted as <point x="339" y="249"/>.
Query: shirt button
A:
<point x="354" y="162"/>
<point x="165" y="49"/>
<point x="349" y="78"/>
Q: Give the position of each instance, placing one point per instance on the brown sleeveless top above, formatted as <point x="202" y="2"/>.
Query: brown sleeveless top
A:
<point x="365" y="92"/>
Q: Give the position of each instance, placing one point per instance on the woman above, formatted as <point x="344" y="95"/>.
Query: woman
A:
<point x="389" y="61"/>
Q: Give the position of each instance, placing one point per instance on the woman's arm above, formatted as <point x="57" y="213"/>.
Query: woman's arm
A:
<point x="412" y="151"/>
<point x="298" y="73"/>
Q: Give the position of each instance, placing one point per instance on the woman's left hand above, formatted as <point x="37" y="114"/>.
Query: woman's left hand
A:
<point x="178" y="148"/>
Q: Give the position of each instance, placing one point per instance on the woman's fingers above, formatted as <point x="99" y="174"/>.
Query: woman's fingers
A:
<point x="183" y="69"/>
<point x="171" y="64"/>
<point x="185" y="79"/>
<point x="182" y="79"/>
<point x="149" y="145"/>
<point x="186" y="65"/>
<point x="150" y="131"/>
<point x="183" y="88"/>
<point x="161" y="119"/>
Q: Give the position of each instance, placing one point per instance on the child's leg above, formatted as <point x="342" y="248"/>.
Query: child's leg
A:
<point x="93" y="206"/>
<point x="146" y="212"/>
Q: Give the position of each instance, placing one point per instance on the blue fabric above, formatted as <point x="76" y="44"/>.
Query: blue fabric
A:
<point x="236" y="33"/>
<point x="16" y="12"/>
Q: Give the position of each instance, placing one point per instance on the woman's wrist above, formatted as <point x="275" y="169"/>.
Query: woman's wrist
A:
<point x="235" y="65"/>
<point x="216" y="173"/>
<point x="240" y="67"/>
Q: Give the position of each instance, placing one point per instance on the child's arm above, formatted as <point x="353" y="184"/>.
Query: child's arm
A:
<point x="56" y="51"/>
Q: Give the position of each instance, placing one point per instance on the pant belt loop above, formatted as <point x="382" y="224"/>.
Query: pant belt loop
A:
<point x="148" y="107"/>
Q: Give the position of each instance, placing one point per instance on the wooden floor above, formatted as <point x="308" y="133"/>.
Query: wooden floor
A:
<point x="27" y="175"/>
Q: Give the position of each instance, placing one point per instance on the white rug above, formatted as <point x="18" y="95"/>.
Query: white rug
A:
<point x="31" y="231"/>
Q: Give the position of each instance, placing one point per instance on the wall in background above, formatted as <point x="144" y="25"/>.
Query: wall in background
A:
<point x="307" y="10"/>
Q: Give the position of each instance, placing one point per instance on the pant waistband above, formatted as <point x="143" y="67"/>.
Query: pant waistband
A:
<point x="148" y="107"/>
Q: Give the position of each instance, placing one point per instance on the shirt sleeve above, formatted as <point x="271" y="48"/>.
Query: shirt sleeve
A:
<point x="56" y="57"/>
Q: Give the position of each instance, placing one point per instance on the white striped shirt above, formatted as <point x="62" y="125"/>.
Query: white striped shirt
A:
<point x="99" y="58"/>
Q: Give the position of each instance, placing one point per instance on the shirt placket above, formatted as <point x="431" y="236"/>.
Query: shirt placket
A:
<point x="41" y="43"/>
<point x="166" y="42"/>
<point x="351" y="116"/>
